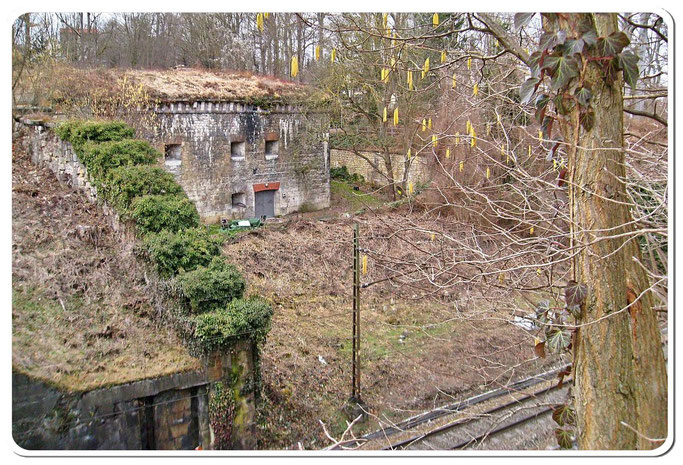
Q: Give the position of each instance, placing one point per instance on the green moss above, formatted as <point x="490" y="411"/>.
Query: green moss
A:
<point x="173" y="252"/>
<point x="210" y="287"/>
<point x="155" y="213"/>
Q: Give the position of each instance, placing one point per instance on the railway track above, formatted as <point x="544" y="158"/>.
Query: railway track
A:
<point x="507" y="425"/>
<point x="428" y="424"/>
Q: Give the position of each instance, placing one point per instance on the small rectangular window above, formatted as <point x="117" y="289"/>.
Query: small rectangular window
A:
<point x="172" y="157"/>
<point x="237" y="150"/>
<point x="239" y="200"/>
<point x="271" y="148"/>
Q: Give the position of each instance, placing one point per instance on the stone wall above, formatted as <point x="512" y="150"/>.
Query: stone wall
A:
<point x="279" y="145"/>
<point x="418" y="171"/>
<point x="170" y="412"/>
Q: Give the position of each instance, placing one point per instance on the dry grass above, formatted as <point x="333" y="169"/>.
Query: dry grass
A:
<point x="81" y="317"/>
<point x="417" y="350"/>
<point x="68" y="84"/>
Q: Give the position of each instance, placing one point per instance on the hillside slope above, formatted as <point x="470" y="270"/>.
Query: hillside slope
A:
<point x="81" y="316"/>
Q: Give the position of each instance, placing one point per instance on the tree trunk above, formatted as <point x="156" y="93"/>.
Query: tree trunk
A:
<point x="619" y="369"/>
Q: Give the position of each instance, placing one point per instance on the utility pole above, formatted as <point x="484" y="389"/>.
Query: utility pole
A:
<point x="355" y="389"/>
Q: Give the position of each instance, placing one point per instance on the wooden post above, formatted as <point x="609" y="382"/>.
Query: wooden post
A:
<point x="355" y="390"/>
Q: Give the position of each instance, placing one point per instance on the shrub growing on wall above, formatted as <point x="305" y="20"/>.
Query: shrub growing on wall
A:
<point x="241" y="319"/>
<point x="101" y="157"/>
<point x="172" y="252"/>
<point x="79" y="132"/>
<point x="209" y="287"/>
<point x="155" y="213"/>
<point x="125" y="183"/>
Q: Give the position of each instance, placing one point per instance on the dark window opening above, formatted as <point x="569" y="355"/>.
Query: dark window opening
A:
<point x="271" y="147"/>
<point x="239" y="199"/>
<point x="173" y="152"/>
<point x="237" y="149"/>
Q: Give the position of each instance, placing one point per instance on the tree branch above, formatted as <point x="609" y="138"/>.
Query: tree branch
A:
<point x="505" y="39"/>
<point x="653" y="115"/>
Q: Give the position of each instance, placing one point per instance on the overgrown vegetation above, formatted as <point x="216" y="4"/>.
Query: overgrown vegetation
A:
<point x="211" y="287"/>
<point x="155" y="213"/>
<point x="342" y="174"/>
<point x="174" y="244"/>
<point x="219" y="329"/>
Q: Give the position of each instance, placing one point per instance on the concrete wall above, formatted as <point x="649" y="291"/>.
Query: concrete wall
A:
<point x="169" y="412"/>
<point x="417" y="173"/>
<point x="203" y="133"/>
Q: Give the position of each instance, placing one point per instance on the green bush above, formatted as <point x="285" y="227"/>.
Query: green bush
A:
<point x="241" y="319"/>
<point x="171" y="253"/>
<point x="342" y="174"/>
<point x="80" y="132"/>
<point x="209" y="287"/>
<point x="128" y="182"/>
<point x="154" y="213"/>
<point x="101" y="157"/>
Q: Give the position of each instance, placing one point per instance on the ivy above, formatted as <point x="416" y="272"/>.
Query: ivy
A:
<point x="221" y="414"/>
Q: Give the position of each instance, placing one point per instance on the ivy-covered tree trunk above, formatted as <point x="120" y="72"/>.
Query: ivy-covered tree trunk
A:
<point x="619" y="369"/>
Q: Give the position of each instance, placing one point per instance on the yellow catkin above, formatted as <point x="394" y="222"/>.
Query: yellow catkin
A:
<point x="295" y="66"/>
<point x="384" y="115"/>
<point x="410" y="80"/>
<point x="540" y="134"/>
<point x="429" y="123"/>
<point x="432" y="236"/>
<point x="468" y="127"/>
<point x="531" y="230"/>
<point x="443" y="56"/>
<point x="435" y="19"/>
<point x="364" y="265"/>
<point x="507" y="158"/>
<point x="448" y="153"/>
<point x="317" y="53"/>
<point x="425" y="68"/>
<point x="501" y="278"/>
<point x="333" y="55"/>
<point x="395" y="116"/>
<point x="410" y="188"/>
<point x="475" y="90"/>
<point x="384" y="20"/>
<point x="554" y="164"/>
<point x="424" y="125"/>
<point x="454" y="80"/>
<point x="502" y="150"/>
<point x="457" y="138"/>
<point x="488" y="172"/>
<point x="529" y="150"/>
<point x="469" y="63"/>
<point x="409" y="154"/>
<point x="435" y="141"/>
<point x="462" y="166"/>
<point x="473" y="143"/>
<point x="265" y="15"/>
<point x="259" y="21"/>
